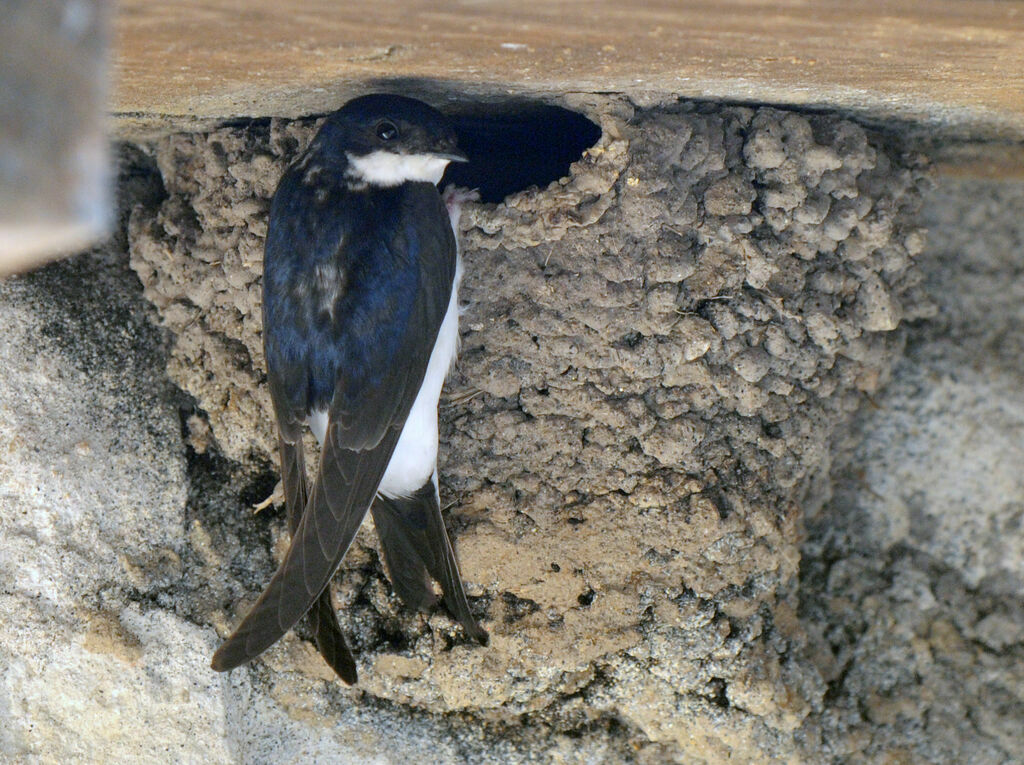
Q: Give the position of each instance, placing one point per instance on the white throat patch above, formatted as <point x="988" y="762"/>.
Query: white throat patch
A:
<point x="385" y="168"/>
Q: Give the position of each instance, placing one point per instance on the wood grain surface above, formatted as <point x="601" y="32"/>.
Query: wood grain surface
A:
<point x="949" y="62"/>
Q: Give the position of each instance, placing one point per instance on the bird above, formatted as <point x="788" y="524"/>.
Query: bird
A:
<point x="360" y="330"/>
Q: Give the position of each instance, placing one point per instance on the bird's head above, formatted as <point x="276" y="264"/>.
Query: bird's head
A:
<point x="388" y="140"/>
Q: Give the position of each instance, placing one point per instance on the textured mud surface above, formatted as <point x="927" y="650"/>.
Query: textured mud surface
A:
<point x="656" y="355"/>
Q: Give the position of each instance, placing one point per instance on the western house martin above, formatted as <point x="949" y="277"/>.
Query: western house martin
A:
<point x="360" y="329"/>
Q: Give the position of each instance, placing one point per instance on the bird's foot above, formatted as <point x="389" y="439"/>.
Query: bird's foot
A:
<point x="276" y="498"/>
<point x="454" y="198"/>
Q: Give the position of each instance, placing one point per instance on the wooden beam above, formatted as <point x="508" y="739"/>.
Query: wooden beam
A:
<point x="948" y="62"/>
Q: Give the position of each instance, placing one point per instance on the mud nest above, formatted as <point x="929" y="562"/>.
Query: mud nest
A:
<point x="657" y="351"/>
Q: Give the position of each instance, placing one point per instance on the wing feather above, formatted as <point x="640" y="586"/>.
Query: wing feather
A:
<point x="322" y="618"/>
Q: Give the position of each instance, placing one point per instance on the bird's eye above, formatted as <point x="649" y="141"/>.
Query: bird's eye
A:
<point x="386" y="131"/>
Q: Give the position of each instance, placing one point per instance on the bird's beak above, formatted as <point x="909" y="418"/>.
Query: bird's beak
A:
<point x="454" y="155"/>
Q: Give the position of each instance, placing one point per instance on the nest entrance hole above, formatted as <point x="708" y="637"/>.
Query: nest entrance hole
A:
<point x="513" y="148"/>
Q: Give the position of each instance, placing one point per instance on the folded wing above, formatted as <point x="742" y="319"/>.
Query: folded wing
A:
<point x="383" y="325"/>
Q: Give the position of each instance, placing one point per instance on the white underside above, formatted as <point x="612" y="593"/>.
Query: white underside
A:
<point x="386" y="168"/>
<point x="414" y="461"/>
<point x="318" y="424"/>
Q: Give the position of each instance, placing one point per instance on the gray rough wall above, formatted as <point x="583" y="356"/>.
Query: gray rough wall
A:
<point x="715" y="627"/>
<point x="912" y="582"/>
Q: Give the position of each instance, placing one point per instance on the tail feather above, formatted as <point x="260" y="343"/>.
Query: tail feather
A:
<point x="330" y="640"/>
<point x="401" y="528"/>
<point x="416" y="547"/>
